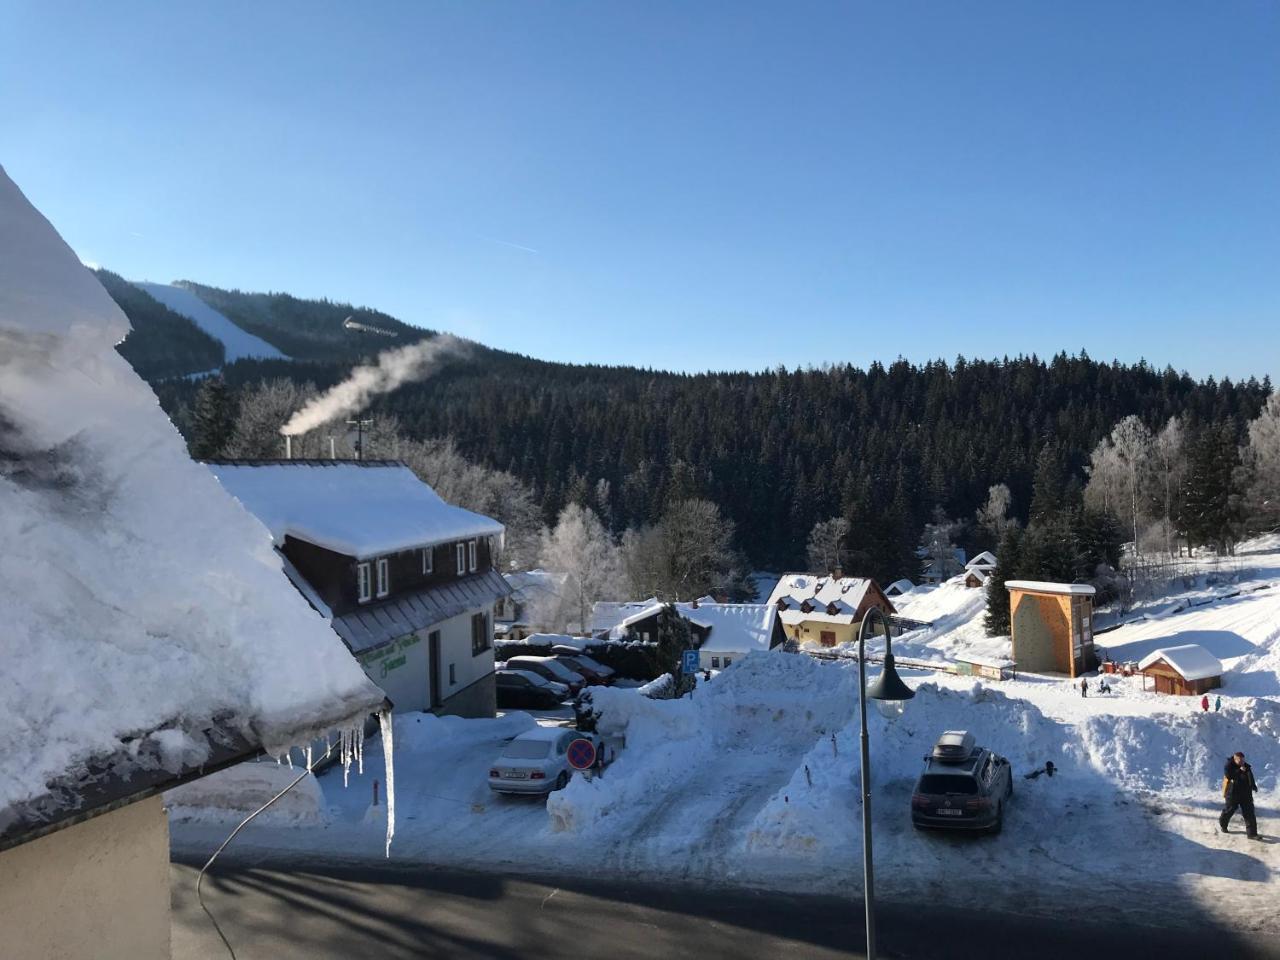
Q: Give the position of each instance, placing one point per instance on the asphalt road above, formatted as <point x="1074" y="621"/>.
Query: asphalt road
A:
<point x="387" y="912"/>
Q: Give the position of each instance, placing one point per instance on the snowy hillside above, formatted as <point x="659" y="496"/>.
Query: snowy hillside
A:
<point x="238" y="343"/>
<point x="140" y="602"/>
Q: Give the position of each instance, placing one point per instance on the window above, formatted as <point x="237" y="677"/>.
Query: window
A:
<point x="471" y="556"/>
<point x="727" y="661"/>
<point x="453" y="675"/>
<point x="480" y="638"/>
<point x="462" y="559"/>
<point x="426" y="560"/>
<point x="384" y="577"/>
<point x="363" y="590"/>
<point x="715" y="663"/>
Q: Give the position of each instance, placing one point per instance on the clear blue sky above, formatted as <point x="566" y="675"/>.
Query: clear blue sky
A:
<point x="683" y="185"/>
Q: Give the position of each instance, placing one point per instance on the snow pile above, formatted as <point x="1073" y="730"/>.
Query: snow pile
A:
<point x="358" y="508"/>
<point x="238" y="343"/>
<point x="236" y="792"/>
<point x="136" y="594"/>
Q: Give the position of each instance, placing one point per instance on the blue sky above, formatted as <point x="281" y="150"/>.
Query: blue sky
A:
<point x="683" y="185"/>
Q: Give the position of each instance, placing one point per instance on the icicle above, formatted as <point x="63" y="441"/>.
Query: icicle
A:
<point x="309" y="761"/>
<point x="359" y="735"/>
<point x="289" y="756"/>
<point x="328" y="746"/>
<point x="388" y="749"/>
<point x="345" y="741"/>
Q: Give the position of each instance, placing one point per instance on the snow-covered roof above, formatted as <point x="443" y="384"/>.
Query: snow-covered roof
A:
<point x="359" y="508"/>
<point x="981" y="574"/>
<point x="1192" y="661"/>
<point x="899" y="586"/>
<point x="843" y="595"/>
<point x="1041" y="586"/>
<point x="142" y="607"/>
<point x="986" y="560"/>
<point x="736" y="627"/>
<point x="528" y="584"/>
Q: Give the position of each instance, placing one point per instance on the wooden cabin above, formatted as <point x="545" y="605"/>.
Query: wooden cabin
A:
<point x="1052" y="626"/>
<point x="1187" y="670"/>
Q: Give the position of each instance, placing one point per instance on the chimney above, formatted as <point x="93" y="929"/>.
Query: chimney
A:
<point x="288" y="448"/>
<point x="837" y="572"/>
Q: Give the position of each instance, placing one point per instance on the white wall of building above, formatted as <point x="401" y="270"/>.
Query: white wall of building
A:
<point x="402" y="668"/>
<point x="97" y="889"/>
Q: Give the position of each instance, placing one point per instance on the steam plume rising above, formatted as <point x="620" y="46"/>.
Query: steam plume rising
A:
<point x="394" y="367"/>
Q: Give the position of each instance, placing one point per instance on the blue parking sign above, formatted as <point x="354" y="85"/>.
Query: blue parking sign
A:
<point x="689" y="661"/>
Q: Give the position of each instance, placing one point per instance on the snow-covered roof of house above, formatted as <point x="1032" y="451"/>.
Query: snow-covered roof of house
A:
<point x="145" y="616"/>
<point x="1192" y="661"/>
<point x="1041" y="586"/>
<point x="529" y="584"/>
<point x="825" y="594"/>
<point x="981" y="574"/>
<point x="736" y="627"/>
<point x="359" y="508"/>
<point x="899" y="586"/>
<point x="986" y="560"/>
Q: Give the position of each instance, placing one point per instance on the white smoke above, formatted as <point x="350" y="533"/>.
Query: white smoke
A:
<point x="394" y="367"/>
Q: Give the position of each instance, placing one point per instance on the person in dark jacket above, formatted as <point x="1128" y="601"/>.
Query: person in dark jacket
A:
<point x="1238" y="787"/>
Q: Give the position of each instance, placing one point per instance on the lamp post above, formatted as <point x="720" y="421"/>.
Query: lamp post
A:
<point x="886" y="687"/>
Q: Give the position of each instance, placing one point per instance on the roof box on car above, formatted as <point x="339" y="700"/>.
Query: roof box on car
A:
<point x="954" y="745"/>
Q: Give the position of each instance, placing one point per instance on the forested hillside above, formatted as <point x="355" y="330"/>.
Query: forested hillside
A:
<point x="779" y="451"/>
<point x="162" y="343"/>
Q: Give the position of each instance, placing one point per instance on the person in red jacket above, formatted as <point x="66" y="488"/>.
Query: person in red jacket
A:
<point x="1238" y="787"/>
<point x="1204" y="703"/>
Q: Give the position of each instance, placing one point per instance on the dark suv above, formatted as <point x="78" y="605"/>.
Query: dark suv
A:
<point x="963" y="786"/>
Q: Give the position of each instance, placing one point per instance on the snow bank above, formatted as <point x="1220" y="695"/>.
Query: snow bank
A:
<point x="236" y="792"/>
<point x="137" y="595"/>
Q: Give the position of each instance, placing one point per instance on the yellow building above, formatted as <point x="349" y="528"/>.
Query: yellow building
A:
<point x="826" y="611"/>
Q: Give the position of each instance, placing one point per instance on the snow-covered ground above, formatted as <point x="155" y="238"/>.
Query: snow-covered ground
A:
<point x="753" y="781"/>
<point x="238" y="343"/>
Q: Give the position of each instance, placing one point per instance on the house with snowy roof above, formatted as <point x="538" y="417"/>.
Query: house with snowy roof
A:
<point x="1187" y="670"/>
<point x="722" y="632"/>
<point x="978" y="570"/>
<point x="532" y="606"/>
<point x="404" y="578"/>
<point x="149" y="637"/>
<point x="826" y="610"/>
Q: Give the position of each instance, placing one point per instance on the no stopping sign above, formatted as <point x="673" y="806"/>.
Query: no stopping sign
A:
<point x="581" y="754"/>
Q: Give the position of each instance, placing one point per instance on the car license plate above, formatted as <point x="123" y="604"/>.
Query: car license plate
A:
<point x="515" y="775"/>
<point x="948" y="812"/>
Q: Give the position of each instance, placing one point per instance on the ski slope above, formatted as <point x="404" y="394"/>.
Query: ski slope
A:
<point x="239" y="344"/>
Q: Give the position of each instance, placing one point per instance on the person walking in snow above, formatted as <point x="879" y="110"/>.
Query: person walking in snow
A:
<point x="1084" y="686"/>
<point x="1204" y="703"/>
<point x="1217" y="704"/>
<point x="1238" y="787"/>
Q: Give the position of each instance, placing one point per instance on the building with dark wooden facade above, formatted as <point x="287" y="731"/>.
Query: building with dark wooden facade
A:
<point x="1187" y="670"/>
<point x="405" y="579"/>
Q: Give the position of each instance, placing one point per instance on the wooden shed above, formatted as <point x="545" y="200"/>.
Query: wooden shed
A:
<point x="1052" y="626"/>
<point x="1187" y="670"/>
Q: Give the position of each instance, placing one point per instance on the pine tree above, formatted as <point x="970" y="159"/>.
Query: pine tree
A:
<point x="214" y="419"/>
<point x="1210" y="505"/>
<point x="1008" y="567"/>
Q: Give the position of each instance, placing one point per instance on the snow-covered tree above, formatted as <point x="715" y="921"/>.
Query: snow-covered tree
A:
<point x="938" y="548"/>
<point x="1103" y="491"/>
<point x="993" y="516"/>
<point x="1169" y="464"/>
<point x="1132" y="442"/>
<point x="688" y="553"/>
<point x="827" y="544"/>
<point x="580" y="547"/>
<point x="1260" y="458"/>
<point x="264" y="409"/>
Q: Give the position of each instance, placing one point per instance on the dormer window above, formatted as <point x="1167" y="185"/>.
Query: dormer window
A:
<point x="364" y="585"/>
<point x="426" y="560"/>
<point x="471" y="555"/>
<point x="461" y="565"/>
<point x="384" y="577"/>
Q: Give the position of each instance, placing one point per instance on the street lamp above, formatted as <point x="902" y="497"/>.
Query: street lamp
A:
<point x="889" y="690"/>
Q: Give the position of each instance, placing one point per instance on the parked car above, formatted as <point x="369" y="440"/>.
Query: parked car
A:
<point x="596" y="673"/>
<point x="520" y="688"/>
<point x="536" y="762"/>
<point x="550" y="669"/>
<point x="963" y="786"/>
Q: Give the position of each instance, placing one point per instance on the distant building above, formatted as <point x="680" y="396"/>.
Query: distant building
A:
<point x="974" y="578"/>
<point x="986" y="561"/>
<point x="1052" y="626"/>
<point x="1187" y="670"/>
<point x="405" y="579"/>
<point x="531" y="606"/>
<point x="722" y="632"/>
<point x="899" y="587"/>
<point x="826" y="610"/>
